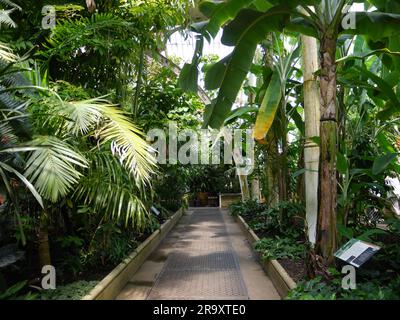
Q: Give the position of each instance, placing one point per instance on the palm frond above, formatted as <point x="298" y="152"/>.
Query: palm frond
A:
<point x="126" y="139"/>
<point x="52" y="168"/>
<point x="11" y="4"/>
<point x="7" y="135"/>
<point x="108" y="189"/>
<point x="6" y="53"/>
<point x="6" y="19"/>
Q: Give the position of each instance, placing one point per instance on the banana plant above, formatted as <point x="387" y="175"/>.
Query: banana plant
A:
<point x="326" y="20"/>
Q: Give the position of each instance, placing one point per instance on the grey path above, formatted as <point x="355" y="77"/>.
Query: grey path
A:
<point x="205" y="257"/>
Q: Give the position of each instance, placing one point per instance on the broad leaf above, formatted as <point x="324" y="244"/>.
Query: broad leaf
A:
<point x="245" y="32"/>
<point x="268" y="108"/>
<point x="341" y="163"/>
<point x="188" y="77"/>
<point x="377" y="25"/>
<point x="383" y="162"/>
<point x="215" y="74"/>
<point x="221" y="13"/>
<point x="240" y="112"/>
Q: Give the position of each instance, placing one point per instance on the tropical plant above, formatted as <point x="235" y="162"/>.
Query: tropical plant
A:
<point x="5" y="17"/>
<point x="249" y="24"/>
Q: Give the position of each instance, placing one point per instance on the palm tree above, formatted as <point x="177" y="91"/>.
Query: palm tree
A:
<point x="112" y="176"/>
<point x="57" y="163"/>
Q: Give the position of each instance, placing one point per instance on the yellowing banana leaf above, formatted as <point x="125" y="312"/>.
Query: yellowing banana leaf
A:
<point x="269" y="106"/>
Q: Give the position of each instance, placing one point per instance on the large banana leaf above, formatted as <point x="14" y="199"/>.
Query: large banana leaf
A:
<point x="188" y="78"/>
<point x="220" y="13"/>
<point x="248" y="29"/>
<point x="377" y="25"/>
<point x="269" y="106"/>
<point x="393" y="103"/>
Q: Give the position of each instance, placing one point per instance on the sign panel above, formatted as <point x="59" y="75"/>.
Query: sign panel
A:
<point x="356" y="252"/>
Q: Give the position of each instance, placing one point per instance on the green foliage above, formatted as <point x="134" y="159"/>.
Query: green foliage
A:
<point x="161" y="101"/>
<point x="5" y="14"/>
<point x="247" y="209"/>
<point x="110" y="245"/>
<point x="279" y="248"/>
<point x="317" y="289"/>
<point x="245" y="32"/>
<point x="73" y="291"/>
<point x="271" y="220"/>
<point x="14" y="292"/>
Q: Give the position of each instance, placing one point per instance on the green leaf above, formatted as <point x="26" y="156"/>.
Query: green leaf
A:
<point x="345" y="232"/>
<point x="215" y="74"/>
<point x="296" y="117"/>
<point x="25" y="181"/>
<point x="377" y="25"/>
<point x="303" y="26"/>
<point x="383" y="85"/>
<point x="341" y="163"/>
<point x="299" y="173"/>
<point x="188" y="77"/>
<point x="220" y="13"/>
<point x="383" y="162"/>
<point x="245" y="32"/>
<point x="366" y="55"/>
<point x="316" y="140"/>
<point x="52" y="168"/>
<point x="366" y="236"/>
<point x="384" y="143"/>
<point x="237" y="113"/>
<point x="268" y="108"/>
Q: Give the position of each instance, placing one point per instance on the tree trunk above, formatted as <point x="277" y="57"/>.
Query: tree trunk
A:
<point x="44" y="248"/>
<point x="282" y="160"/>
<point x="326" y="244"/>
<point x="311" y="117"/>
<point x="244" y="187"/>
<point x="255" y="189"/>
<point x="271" y="170"/>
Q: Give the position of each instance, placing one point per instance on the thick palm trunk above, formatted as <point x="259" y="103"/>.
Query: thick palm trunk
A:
<point x="44" y="247"/>
<point x="326" y="244"/>
<point x="311" y="149"/>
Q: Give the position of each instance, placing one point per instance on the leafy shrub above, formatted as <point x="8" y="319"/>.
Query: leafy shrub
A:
<point x="317" y="289"/>
<point x="250" y="208"/>
<point x="15" y="292"/>
<point x="110" y="245"/>
<point x="73" y="291"/>
<point x="284" y="219"/>
<point x="279" y="248"/>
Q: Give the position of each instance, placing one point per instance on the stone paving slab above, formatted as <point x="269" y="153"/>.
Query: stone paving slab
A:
<point x="205" y="266"/>
<point x="205" y="257"/>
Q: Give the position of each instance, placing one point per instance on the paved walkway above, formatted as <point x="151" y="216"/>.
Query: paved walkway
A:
<point x="205" y="257"/>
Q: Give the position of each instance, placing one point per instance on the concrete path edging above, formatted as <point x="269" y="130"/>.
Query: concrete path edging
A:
<point x="279" y="277"/>
<point x="112" y="284"/>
